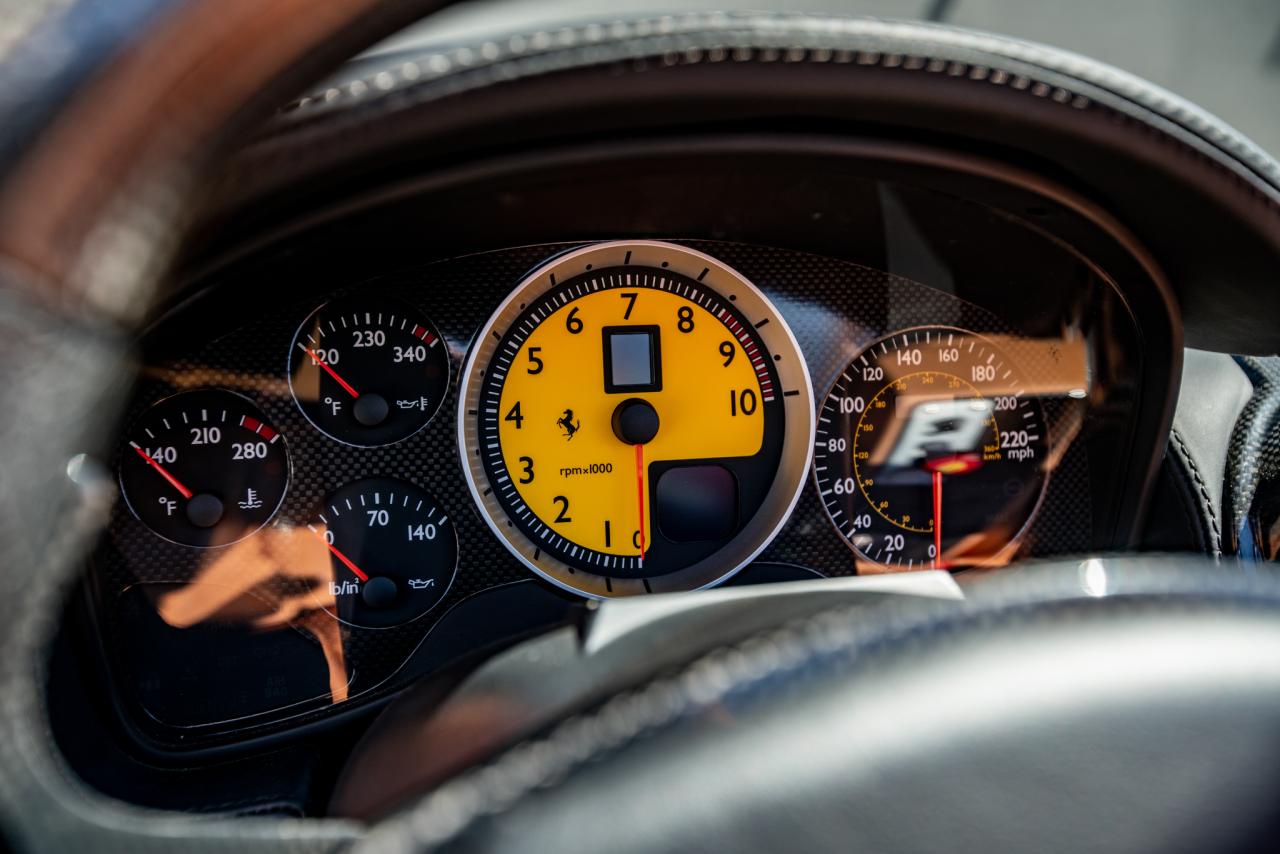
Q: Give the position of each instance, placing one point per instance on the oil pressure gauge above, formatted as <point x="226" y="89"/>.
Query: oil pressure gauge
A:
<point x="368" y="371"/>
<point x="393" y="552"/>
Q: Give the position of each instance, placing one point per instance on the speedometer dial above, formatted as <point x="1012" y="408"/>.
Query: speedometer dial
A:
<point x="930" y="453"/>
<point x="636" y="418"/>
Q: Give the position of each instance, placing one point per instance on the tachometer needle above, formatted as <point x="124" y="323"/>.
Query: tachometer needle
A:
<point x="173" y="481"/>
<point x="937" y="519"/>
<point x="346" y="386"/>
<point x="640" y="496"/>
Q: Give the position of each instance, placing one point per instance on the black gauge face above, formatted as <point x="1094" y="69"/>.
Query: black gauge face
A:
<point x="393" y="552"/>
<point x="368" y="371"/>
<point x="931" y="452"/>
<point x="203" y="468"/>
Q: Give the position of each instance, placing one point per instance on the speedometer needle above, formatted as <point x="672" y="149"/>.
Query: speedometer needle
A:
<point x="937" y="519"/>
<point x="640" y="496"/>
<point x="346" y="386"/>
<point x="173" y="481"/>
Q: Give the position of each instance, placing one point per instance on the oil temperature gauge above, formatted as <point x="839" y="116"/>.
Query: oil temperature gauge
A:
<point x="393" y="552"/>
<point x="368" y="371"/>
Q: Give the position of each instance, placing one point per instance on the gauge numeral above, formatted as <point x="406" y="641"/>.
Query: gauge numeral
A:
<point x="894" y="542"/>
<point x="378" y="518"/>
<point x="726" y="350"/>
<point x="850" y="405"/>
<point x="421" y="533"/>
<point x="248" y="450"/>
<point x="205" y="435"/>
<point x="416" y="353"/>
<point x="563" y="515"/>
<point x="514" y="415"/>
<point x="166" y="454"/>
<point x="1006" y="404"/>
<point x="631" y="304"/>
<point x="527" y="464"/>
<point x="684" y="319"/>
<point x="368" y="338"/>
<point x="984" y="373"/>
<point x="326" y="357"/>
<point x="742" y="401"/>
<point x="844" y="486"/>
<point x="873" y="373"/>
<point x="573" y="323"/>
<point x="1014" y="438"/>
<point x="535" y="364"/>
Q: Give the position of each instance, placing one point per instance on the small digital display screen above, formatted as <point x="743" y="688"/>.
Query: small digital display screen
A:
<point x="632" y="359"/>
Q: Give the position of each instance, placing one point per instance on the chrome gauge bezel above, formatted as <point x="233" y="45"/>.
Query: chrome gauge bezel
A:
<point x="798" y="407"/>
<point x="422" y="320"/>
<point x="253" y="406"/>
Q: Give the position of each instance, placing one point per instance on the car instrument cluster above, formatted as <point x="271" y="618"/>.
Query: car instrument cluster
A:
<point x="368" y="478"/>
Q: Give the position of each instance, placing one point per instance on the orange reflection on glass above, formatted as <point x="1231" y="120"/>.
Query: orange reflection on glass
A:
<point x="956" y="432"/>
<point x="278" y="579"/>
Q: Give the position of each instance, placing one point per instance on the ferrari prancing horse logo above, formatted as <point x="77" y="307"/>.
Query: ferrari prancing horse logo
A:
<point x="568" y="424"/>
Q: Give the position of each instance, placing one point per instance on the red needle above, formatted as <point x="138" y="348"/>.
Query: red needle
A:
<point x="322" y="363"/>
<point x="177" y="484"/>
<point x="347" y="562"/>
<point x="640" y="495"/>
<point x="937" y="519"/>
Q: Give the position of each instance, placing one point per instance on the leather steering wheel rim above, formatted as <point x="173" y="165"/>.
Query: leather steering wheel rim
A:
<point x="112" y="116"/>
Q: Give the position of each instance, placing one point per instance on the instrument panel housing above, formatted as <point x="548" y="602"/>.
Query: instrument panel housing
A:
<point x="851" y="239"/>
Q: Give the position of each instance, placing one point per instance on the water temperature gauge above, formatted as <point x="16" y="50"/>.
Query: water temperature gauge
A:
<point x="393" y="552"/>
<point x="204" y="468"/>
<point x="368" y="371"/>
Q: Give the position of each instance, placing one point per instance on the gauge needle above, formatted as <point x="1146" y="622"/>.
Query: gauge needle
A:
<point x="346" y="561"/>
<point x="173" y="481"/>
<point x="346" y="386"/>
<point x="640" y="496"/>
<point x="937" y="519"/>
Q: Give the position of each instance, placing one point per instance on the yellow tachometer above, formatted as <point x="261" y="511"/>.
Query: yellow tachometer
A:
<point x="636" y="417"/>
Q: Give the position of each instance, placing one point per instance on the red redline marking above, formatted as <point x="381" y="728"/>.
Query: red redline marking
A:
<point x="753" y="354"/>
<point x="322" y="363"/>
<point x="173" y="481"/>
